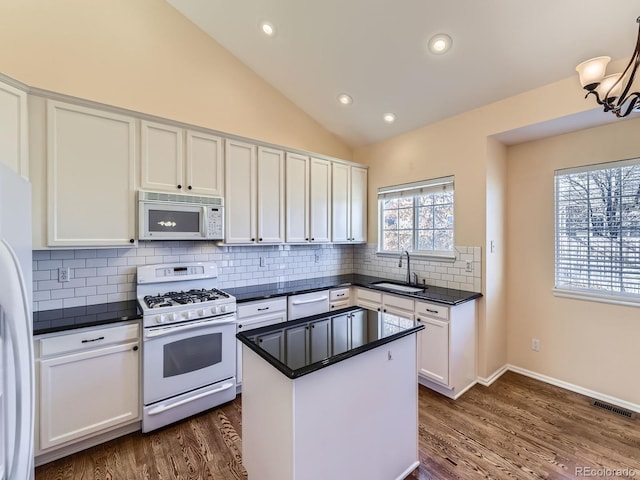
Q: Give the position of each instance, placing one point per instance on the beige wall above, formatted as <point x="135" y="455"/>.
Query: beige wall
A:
<point x="593" y="345"/>
<point x="145" y="56"/>
<point x="518" y="277"/>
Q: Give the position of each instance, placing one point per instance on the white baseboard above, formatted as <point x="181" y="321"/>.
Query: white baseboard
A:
<point x="576" y="388"/>
<point x="558" y="383"/>
<point x="493" y="377"/>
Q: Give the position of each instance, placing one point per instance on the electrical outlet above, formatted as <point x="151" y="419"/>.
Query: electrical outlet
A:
<point x="63" y="274"/>
<point x="317" y="257"/>
<point x="469" y="267"/>
<point x="262" y="261"/>
<point x="535" y="344"/>
<point x="367" y="258"/>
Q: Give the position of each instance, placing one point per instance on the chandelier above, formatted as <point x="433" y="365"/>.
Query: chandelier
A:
<point x="613" y="92"/>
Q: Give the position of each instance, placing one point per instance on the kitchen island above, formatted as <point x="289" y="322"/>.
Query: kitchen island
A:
<point x="331" y="396"/>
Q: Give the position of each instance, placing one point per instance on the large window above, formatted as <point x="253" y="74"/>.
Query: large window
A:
<point x="598" y="229"/>
<point x="417" y="217"/>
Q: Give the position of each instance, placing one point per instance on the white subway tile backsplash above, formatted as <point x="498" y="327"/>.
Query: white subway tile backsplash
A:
<point x="108" y="275"/>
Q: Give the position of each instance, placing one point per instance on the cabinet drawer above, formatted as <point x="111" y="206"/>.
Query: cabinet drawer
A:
<point x="339" y="294"/>
<point x="369" y="295"/>
<point x="401" y="303"/>
<point x="261" y="307"/>
<point x="432" y="310"/>
<point x="340" y="304"/>
<point x="88" y="339"/>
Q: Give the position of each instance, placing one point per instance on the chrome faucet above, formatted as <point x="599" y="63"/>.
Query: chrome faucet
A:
<point x="408" y="265"/>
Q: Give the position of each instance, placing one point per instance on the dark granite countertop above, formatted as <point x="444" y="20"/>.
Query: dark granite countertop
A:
<point x="50" y="321"/>
<point x="446" y="296"/>
<point x="354" y="330"/>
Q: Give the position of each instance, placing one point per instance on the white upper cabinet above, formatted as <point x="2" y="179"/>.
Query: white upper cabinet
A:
<point x="90" y="177"/>
<point x="241" y="187"/>
<point x="320" y="201"/>
<point x="255" y="194"/>
<point x="349" y="203"/>
<point x="178" y="160"/>
<point x="297" y="198"/>
<point x="204" y="168"/>
<point x="13" y="129"/>
<point x="270" y="195"/>
<point x="358" y="204"/>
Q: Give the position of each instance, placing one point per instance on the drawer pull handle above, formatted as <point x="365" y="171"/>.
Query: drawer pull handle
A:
<point x="93" y="340"/>
<point x="431" y="311"/>
<point x="263" y="309"/>
<point x="340" y="294"/>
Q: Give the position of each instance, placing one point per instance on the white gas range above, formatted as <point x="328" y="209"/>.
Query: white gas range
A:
<point x="189" y="346"/>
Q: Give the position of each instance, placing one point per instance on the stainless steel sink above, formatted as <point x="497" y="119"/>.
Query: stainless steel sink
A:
<point x="398" y="287"/>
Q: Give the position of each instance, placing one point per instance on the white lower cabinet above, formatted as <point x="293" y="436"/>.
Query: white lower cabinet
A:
<point x="87" y="383"/>
<point x="339" y="298"/>
<point x="447" y="347"/>
<point x="259" y="313"/>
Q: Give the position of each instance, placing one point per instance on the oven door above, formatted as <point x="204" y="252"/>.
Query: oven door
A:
<point x="180" y="358"/>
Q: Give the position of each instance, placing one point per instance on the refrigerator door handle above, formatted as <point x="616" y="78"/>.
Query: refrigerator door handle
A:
<point x="17" y="312"/>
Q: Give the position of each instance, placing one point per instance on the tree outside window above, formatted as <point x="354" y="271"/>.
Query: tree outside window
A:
<point x="417" y="217"/>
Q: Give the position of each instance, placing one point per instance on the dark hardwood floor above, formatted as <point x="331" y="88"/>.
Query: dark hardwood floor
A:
<point x="518" y="428"/>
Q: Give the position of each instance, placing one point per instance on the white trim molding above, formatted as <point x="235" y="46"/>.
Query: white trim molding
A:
<point x="559" y="383"/>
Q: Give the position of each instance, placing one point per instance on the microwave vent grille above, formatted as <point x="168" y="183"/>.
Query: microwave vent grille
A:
<point x="178" y="198"/>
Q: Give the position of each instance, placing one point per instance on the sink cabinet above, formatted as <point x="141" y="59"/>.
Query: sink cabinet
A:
<point x="447" y="345"/>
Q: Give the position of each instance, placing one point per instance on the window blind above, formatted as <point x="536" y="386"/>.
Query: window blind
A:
<point x="416" y="188"/>
<point x="597" y="229"/>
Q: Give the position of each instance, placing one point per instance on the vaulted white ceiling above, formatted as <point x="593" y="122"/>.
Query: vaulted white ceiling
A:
<point x="376" y="51"/>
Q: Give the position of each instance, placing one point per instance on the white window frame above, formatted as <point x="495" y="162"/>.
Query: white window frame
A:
<point x="589" y="238"/>
<point x="414" y="189"/>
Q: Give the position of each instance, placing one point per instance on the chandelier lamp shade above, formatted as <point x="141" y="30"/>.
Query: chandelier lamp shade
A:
<point x="614" y="92"/>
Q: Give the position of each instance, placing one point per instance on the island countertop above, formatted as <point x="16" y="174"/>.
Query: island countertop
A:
<point x="303" y="346"/>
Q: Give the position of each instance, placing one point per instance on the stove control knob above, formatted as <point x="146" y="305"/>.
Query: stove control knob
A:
<point x="223" y="308"/>
<point x="214" y="309"/>
<point x="172" y="316"/>
<point x="201" y="312"/>
<point x="159" y="319"/>
<point x="186" y="315"/>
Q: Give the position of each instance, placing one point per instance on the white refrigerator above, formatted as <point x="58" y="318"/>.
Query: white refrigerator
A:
<point x="16" y="345"/>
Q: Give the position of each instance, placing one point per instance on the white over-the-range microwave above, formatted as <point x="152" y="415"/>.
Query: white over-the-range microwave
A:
<point x="168" y="216"/>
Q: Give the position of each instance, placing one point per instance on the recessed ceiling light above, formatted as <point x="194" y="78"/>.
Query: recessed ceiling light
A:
<point x="440" y="43"/>
<point x="345" y="99"/>
<point x="267" y="29"/>
<point x="389" y="117"/>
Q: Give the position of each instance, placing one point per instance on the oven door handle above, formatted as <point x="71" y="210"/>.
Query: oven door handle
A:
<point x="170" y="330"/>
<point x="163" y="408"/>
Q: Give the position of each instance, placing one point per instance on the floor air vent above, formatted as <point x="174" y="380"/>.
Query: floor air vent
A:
<point x="613" y="409"/>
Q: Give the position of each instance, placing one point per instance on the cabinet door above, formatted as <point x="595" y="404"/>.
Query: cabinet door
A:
<point x="13" y="129"/>
<point x="88" y="392"/>
<point x="297" y="345"/>
<point x="273" y="343"/>
<point x="297" y="198"/>
<point x="240" y="188"/>
<point x="204" y="164"/>
<point x="256" y="321"/>
<point x="358" y="204"/>
<point x="340" y="330"/>
<point x="319" y="200"/>
<point x="340" y="204"/>
<point x="90" y="174"/>
<point x="162" y="158"/>
<point x="433" y="350"/>
<point x="270" y="195"/>
<point x="320" y="340"/>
